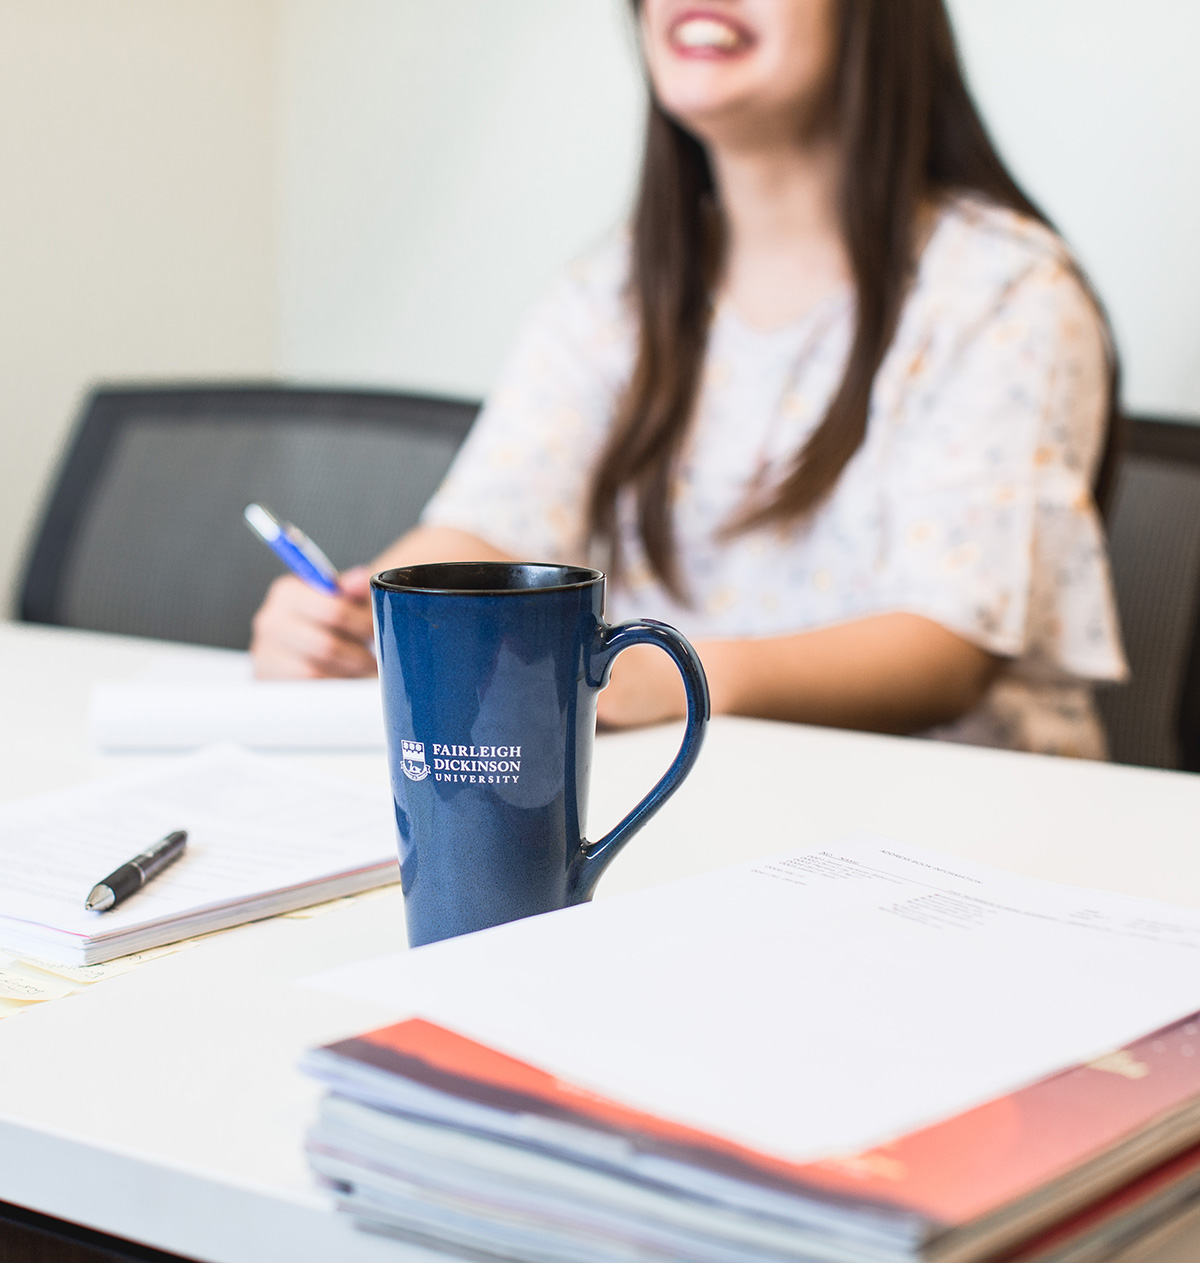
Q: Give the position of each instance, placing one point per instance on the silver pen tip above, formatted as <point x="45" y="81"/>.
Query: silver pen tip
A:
<point x="101" y="898"/>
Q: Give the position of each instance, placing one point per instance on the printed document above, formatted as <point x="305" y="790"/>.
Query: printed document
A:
<point x="812" y="1004"/>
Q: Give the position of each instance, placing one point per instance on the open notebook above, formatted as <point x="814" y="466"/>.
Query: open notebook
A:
<point x="263" y="837"/>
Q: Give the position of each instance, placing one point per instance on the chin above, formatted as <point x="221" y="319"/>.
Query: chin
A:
<point x="703" y="110"/>
<point x="702" y="91"/>
<point x="717" y="66"/>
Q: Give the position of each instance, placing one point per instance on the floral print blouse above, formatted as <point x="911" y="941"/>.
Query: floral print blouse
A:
<point x="969" y="501"/>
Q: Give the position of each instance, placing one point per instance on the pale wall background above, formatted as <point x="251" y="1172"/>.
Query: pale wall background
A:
<point x="1096" y="104"/>
<point x="373" y="190"/>
<point x="138" y="213"/>
<point x="440" y="158"/>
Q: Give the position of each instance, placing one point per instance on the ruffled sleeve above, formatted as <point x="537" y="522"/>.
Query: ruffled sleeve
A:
<point x="993" y="443"/>
<point x="520" y="480"/>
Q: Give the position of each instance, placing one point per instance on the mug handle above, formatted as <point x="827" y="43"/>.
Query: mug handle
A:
<point x="594" y="857"/>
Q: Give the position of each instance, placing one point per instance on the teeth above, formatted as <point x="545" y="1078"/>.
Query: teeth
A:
<point x="705" y="33"/>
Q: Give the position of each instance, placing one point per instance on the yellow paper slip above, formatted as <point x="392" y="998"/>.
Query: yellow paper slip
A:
<point x="31" y="986"/>
<point x="109" y="969"/>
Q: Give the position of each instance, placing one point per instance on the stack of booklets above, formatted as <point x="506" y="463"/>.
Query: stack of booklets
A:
<point x="864" y="1054"/>
<point x="263" y="838"/>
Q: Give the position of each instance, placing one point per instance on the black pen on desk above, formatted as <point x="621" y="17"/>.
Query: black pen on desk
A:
<point x="135" y="873"/>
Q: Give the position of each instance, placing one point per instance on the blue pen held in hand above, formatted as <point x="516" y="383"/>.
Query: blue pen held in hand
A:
<point x="290" y="544"/>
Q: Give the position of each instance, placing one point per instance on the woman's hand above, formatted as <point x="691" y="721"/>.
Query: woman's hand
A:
<point x="645" y="688"/>
<point x="302" y="634"/>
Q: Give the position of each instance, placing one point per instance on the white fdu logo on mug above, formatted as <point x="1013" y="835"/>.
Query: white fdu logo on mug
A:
<point x="413" y="760"/>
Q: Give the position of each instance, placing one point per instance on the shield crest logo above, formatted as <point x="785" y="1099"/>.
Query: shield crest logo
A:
<point x="412" y="756"/>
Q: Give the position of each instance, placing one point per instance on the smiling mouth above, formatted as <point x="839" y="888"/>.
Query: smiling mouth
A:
<point x="706" y="35"/>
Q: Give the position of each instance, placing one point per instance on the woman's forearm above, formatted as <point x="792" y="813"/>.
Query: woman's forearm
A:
<point x="887" y="673"/>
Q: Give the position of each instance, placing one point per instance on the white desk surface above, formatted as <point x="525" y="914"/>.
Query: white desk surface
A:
<point x="164" y="1105"/>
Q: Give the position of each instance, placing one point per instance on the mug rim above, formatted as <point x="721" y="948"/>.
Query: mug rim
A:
<point x="387" y="580"/>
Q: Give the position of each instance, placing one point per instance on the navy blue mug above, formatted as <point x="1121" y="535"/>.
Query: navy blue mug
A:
<point x="490" y="674"/>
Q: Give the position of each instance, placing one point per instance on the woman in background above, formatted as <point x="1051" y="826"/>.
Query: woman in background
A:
<point x="835" y="408"/>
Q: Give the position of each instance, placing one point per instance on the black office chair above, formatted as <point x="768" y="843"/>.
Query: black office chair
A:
<point x="143" y="533"/>
<point x="1154" y="542"/>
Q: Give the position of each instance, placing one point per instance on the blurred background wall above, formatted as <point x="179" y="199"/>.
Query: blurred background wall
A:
<point x="440" y="158"/>
<point x="138" y="211"/>
<point x="373" y="190"/>
<point x="1096" y="104"/>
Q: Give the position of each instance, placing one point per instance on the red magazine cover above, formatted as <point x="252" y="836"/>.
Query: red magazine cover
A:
<point x="951" y="1172"/>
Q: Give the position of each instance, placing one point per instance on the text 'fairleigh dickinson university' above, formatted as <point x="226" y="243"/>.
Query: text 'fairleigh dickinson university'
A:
<point x="489" y="765"/>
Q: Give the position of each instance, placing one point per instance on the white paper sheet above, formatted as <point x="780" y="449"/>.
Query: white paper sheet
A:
<point x="196" y="664"/>
<point x="255" y="825"/>
<point x="164" y="714"/>
<point x="813" y="1004"/>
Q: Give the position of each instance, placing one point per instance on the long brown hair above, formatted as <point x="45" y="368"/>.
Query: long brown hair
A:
<point x="908" y="132"/>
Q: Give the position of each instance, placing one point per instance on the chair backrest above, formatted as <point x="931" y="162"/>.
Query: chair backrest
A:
<point x="143" y="533"/>
<point x="1154" y="543"/>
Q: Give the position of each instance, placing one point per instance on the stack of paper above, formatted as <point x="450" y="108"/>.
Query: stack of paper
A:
<point x="263" y="838"/>
<point x="162" y="714"/>
<point x="862" y="1054"/>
